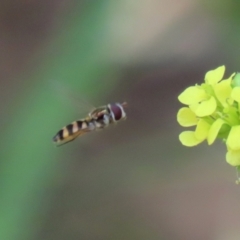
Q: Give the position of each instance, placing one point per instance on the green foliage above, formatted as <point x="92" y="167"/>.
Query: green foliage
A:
<point x="75" y="57"/>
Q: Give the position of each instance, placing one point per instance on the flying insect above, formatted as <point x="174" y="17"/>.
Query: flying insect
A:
<point x="99" y="118"/>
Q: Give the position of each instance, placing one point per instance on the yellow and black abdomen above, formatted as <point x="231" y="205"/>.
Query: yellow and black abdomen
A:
<point x="71" y="131"/>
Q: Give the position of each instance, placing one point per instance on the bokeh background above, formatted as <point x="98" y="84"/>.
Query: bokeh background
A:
<point x="131" y="181"/>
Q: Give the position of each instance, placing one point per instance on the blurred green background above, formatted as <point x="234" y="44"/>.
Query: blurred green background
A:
<point x="131" y="181"/>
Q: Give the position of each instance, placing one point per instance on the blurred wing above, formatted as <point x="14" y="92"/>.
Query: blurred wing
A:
<point x="66" y="94"/>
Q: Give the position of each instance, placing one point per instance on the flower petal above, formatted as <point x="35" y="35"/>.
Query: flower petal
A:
<point x="233" y="140"/>
<point x="223" y="92"/>
<point x="236" y="94"/>
<point x="236" y="79"/>
<point x="202" y="129"/>
<point x="189" y="139"/>
<point x="192" y="95"/>
<point x="233" y="157"/>
<point x="214" y="76"/>
<point x="194" y="107"/>
<point x="206" y="108"/>
<point x="214" y="130"/>
<point x="186" y="117"/>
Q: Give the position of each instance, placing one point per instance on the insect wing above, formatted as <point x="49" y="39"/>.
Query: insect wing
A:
<point x="69" y="96"/>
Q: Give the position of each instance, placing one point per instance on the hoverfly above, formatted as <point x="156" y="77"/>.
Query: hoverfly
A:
<point x="99" y="118"/>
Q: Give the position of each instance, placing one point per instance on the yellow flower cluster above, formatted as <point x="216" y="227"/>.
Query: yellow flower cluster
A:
<point x="214" y="108"/>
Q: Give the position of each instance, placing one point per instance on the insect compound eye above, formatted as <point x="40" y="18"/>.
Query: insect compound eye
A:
<point x="117" y="111"/>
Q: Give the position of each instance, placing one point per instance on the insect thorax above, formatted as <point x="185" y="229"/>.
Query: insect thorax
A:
<point x="102" y="121"/>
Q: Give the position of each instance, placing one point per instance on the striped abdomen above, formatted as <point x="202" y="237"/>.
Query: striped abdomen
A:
<point x="73" y="130"/>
